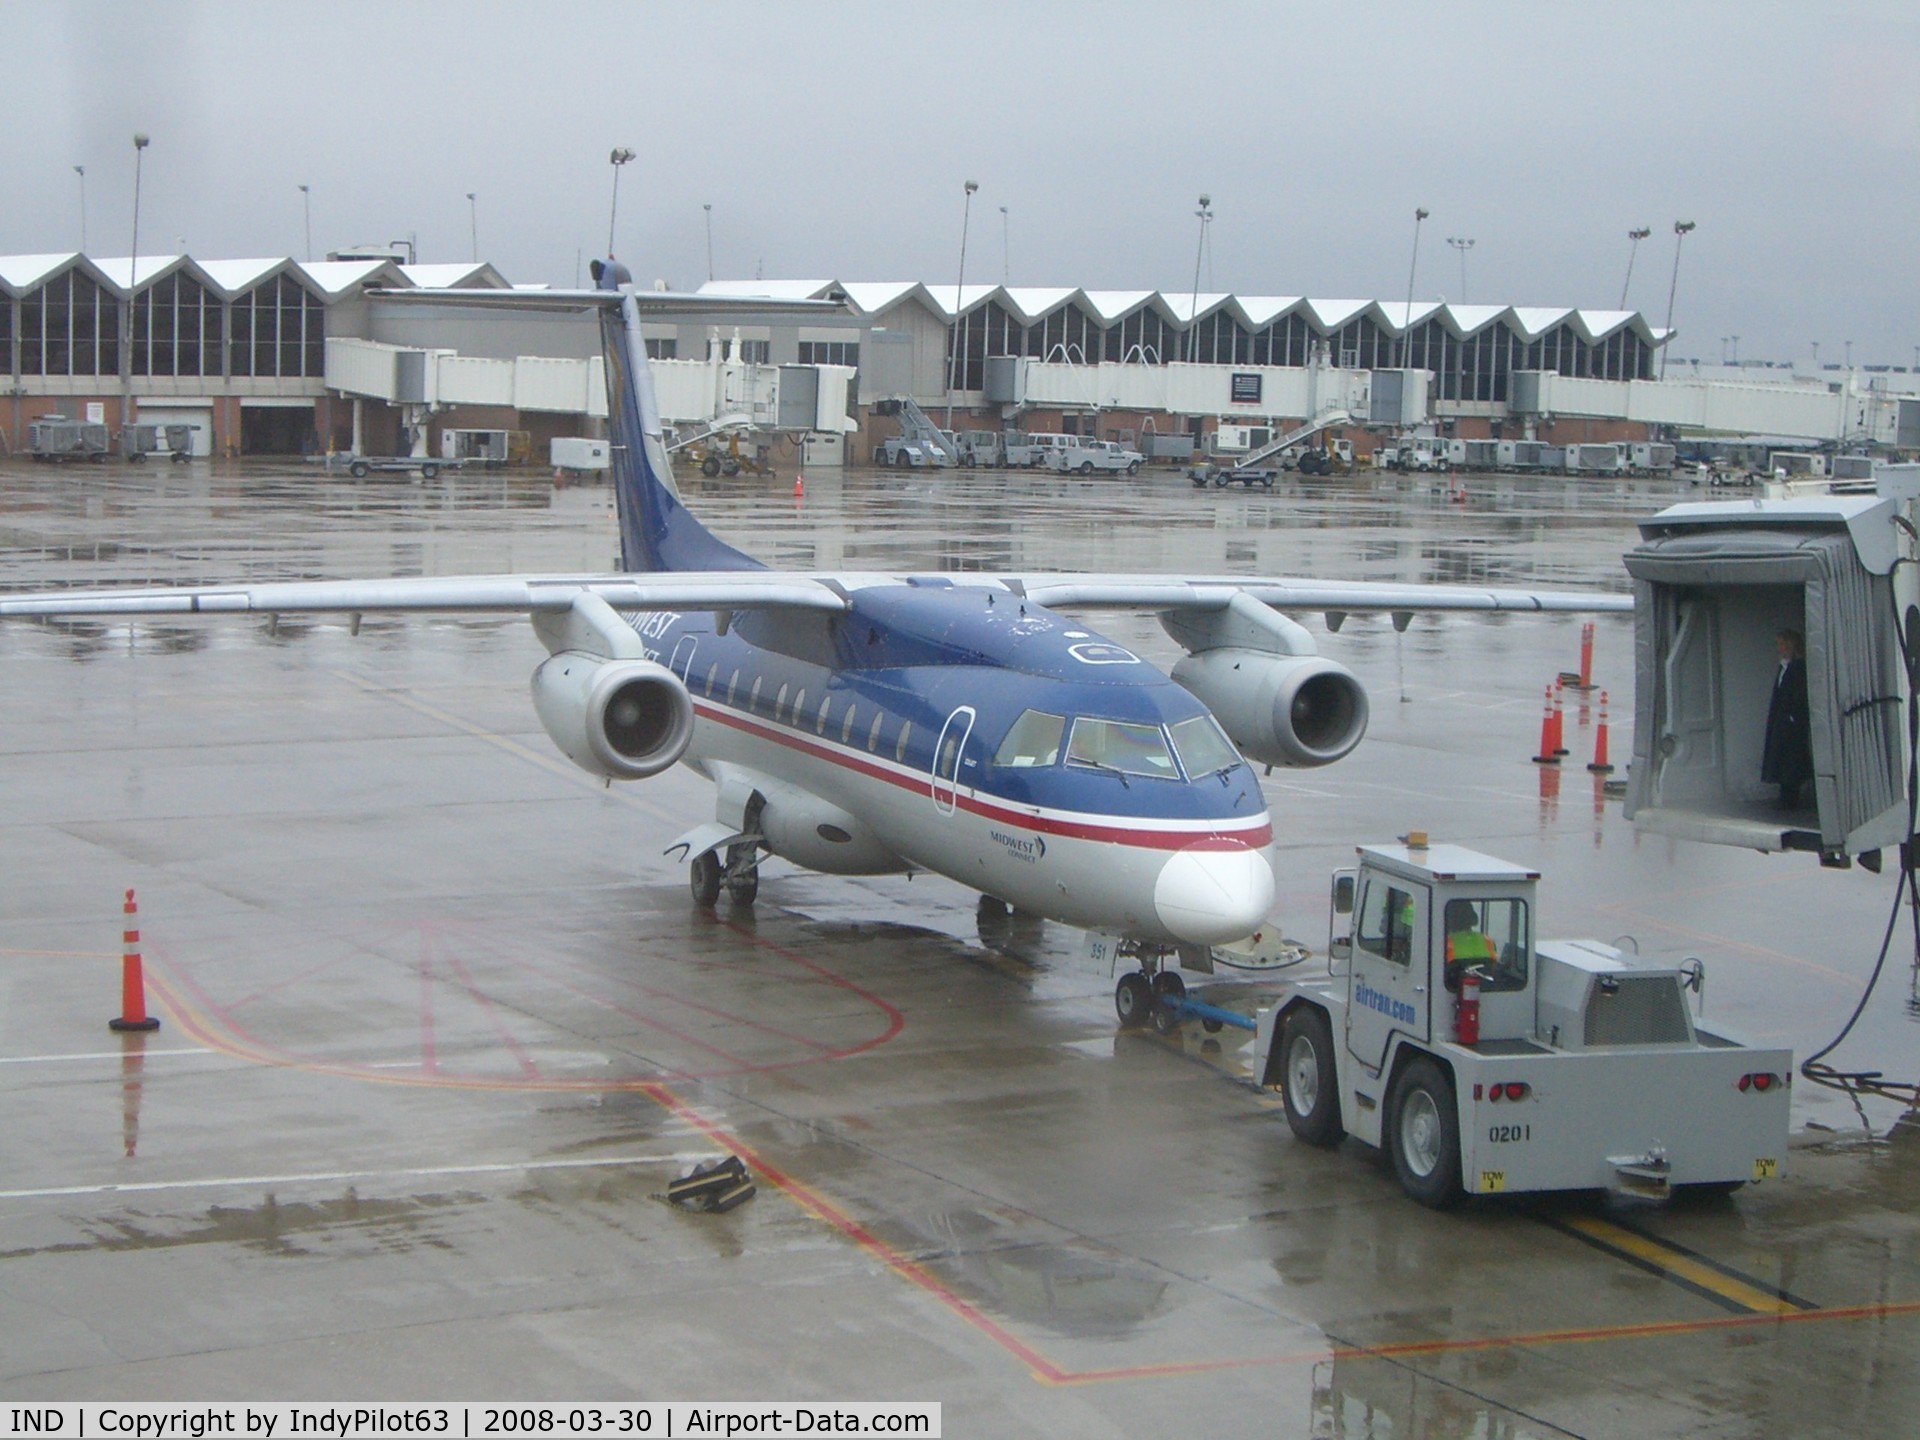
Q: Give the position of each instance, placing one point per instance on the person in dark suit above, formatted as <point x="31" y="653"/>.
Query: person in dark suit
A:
<point x="1786" y="755"/>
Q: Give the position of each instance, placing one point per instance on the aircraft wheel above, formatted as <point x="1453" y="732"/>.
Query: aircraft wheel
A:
<point x="1167" y="985"/>
<point x="704" y="876"/>
<point x="1133" y="1000"/>
<point x="743" y="885"/>
<point x="1423" y="1134"/>
<point x="1308" y="1080"/>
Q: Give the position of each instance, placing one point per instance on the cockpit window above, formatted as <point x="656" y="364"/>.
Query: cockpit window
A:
<point x="1116" y="745"/>
<point x="1033" y="740"/>
<point x="1202" y="746"/>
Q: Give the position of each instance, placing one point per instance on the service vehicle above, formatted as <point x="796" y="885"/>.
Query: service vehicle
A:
<point x="361" y="466"/>
<point x="1095" y="455"/>
<point x="1485" y="1063"/>
<point x="982" y="449"/>
<point x="1029" y="451"/>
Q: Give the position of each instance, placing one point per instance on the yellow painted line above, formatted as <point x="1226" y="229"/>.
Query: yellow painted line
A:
<point x="1681" y="1266"/>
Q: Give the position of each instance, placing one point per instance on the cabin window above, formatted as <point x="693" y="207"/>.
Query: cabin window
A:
<point x="1119" y="746"/>
<point x="732" y="686"/>
<point x="1034" y="740"/>
<point x="1203" y="747"/>
<point x="900" y="750"/>
<point x="713" y="672"/>
<point x="1490" y="936"/>
<point x="873" y="735"/>
<point x="780" y="702"/>
<point x="846" y="730"/>
<point x="820" y="725"/>
<point x="1386" y="922"/>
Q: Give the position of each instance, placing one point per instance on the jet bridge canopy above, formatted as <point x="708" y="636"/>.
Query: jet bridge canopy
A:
<point x="1714" y="586"/>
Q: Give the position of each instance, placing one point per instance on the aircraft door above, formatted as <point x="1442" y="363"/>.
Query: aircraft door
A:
<point x="947" y="753"/>
<point x="1388" y="988"/>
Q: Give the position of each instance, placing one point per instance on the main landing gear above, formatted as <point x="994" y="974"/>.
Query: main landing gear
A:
<point x="739" y="876"/>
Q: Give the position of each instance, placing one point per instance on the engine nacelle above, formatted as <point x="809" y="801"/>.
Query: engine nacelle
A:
<point x="618" y="719"/>
<point x="1292" y="710"/>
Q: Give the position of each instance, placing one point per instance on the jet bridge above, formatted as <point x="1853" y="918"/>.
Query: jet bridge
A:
<point x="1714" y="586"/>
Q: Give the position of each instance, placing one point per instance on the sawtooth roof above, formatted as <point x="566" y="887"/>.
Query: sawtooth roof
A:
<point x="1032" y="303"/>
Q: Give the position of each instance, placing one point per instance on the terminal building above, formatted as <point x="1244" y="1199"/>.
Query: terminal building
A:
<point x="279" y="356"/>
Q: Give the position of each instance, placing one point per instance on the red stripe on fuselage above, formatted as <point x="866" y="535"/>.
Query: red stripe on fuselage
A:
<point x="1222" y="837"/>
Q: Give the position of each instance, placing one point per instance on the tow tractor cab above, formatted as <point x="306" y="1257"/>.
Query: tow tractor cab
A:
<point x="1483" y="1061"/>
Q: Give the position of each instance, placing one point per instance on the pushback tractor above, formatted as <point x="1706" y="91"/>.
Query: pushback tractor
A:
<point x="1485" y="1062"/>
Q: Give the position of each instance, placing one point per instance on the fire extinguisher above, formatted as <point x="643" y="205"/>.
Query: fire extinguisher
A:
<point x="1466" y="1009"/>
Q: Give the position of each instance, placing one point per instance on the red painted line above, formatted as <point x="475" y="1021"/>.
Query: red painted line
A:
<point x="1254" y="836"/>
<point x="823" y="1209"/>
<point x="491" y="1011"/>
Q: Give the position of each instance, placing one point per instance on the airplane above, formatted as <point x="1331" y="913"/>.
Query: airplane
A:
<point x="862" y="724"/>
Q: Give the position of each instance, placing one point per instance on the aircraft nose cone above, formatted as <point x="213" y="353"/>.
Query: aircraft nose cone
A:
<point x="1209" y="894"/>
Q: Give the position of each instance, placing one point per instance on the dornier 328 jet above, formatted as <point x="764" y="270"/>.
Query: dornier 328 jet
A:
<point x="862" y="724"/>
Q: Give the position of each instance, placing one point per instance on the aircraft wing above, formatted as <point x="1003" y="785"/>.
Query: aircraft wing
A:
<point x="754" y="590"/>
<point x="504" y="594"/>
<point x="1333" y="597"/>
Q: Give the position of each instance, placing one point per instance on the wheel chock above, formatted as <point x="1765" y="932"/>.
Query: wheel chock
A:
<point x="727" y="1199"/>
<point x="704" y="1182"/>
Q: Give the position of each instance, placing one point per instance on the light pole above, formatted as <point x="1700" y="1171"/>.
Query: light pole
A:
<point x="1406" y="316"/>
<point x="81" y="171"/>
<point x="1205" y="213"/>
<point x="1816" y="354"/>
<point x="619" y="157"/>
<point x="1006" y="250"/>
<point x="306" y="210"/>
<point x="1462" y="246"/>
<point x="1634" y="238"/>
<point x="473" y="223"/>
<point x="709" y="209"/>
<point x="1680" y="229"/>
<point x="140" y="143"/>
<point x="1849" y="355"/>
<point x="1736" y="348"/>
<point x="953" y="351"/>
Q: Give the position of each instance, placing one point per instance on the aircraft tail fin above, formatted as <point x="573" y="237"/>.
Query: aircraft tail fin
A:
<point x="656" y="530"/>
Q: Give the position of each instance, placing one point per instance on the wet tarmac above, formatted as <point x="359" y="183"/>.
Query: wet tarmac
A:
<point x="440" y="1021"/>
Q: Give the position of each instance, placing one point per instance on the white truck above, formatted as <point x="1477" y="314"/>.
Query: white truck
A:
<point x="1483" y="1062"/>
<point x="1088" y="456"/>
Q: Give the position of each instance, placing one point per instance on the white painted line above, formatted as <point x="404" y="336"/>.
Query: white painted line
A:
<point x="99" y="1055"/>
<point x="334" y="1176"/>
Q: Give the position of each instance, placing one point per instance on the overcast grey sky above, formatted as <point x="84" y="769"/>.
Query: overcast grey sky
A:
<point x="832" y="141"/>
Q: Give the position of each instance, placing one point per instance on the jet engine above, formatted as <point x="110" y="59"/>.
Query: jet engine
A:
<point x="618" y="719"/>
<point x="1293" y="710"/>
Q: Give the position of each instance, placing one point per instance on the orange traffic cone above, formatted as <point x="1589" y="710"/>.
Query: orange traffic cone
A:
<point x="133" y="986"/>
<point x="1600" y="765"/>
<point x="1559" y="718"/>
<point x="1548" y="755"/>
<point x="799" y="486"/>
